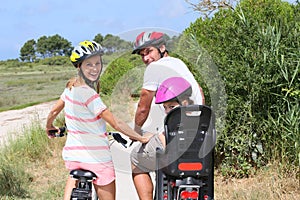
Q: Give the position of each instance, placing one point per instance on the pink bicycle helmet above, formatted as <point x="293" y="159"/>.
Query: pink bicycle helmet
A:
<point x="172" y="89"/>
<point x="146" y="39"/>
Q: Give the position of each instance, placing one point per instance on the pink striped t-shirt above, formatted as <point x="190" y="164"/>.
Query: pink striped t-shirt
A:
<point x="87" y="140"/>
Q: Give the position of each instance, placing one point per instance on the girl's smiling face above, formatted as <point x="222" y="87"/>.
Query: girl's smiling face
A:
<point x="91" y="67"/>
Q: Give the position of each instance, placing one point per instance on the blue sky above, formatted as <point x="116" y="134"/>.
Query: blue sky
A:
<point x="78" y="20"/>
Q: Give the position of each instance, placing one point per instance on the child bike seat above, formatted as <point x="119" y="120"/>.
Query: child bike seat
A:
<point x="189" y="139"/>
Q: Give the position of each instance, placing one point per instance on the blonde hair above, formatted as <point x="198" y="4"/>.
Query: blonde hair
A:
<point x="72" y="81"/>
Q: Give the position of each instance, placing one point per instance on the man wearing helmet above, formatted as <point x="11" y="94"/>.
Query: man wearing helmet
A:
<point x="151" y="46"/>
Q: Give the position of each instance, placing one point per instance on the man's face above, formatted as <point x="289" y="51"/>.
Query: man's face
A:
<point x="149" y="55"/>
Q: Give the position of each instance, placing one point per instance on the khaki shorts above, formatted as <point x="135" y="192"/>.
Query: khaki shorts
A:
<point x="144" y="155"/>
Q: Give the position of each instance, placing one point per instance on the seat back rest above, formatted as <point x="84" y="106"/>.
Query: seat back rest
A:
<point x="188" y="138"/>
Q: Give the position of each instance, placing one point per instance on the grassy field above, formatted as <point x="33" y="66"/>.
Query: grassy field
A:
<point x="23" y="86"/>
<point x="32" y="168"/>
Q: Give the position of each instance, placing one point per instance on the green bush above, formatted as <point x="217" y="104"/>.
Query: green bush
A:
<point x="256" y="49"/>
<point x="116" y="69"/>
<point x="197" y="74"/>
<point x="11" y="63"/>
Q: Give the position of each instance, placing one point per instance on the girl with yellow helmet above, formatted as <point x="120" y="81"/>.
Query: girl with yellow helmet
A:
<point x="86" y="115"/>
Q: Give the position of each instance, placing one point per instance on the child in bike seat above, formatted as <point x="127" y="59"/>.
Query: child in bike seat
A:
<point x="87" y="145"/>
<point x="172" y="92"/>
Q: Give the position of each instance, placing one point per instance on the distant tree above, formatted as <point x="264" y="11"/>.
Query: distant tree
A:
<point x="113" y="44"/>
<point x="53" y="46"/>
<point x="42" y="47"/>
<point x="124" y="45"/>
<point x="58" y="46"/>
<point x="110" y="43"/>
<point x="172" y="42"/>
<point x="27" y="52"/>
<point x="98" y="38"/>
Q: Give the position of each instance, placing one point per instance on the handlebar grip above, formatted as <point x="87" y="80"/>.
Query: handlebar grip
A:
<point x="60" y="134"/>
<point x="117" y="137"/>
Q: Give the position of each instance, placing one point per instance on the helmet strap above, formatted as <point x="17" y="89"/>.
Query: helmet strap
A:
<point x="161" y="53"/>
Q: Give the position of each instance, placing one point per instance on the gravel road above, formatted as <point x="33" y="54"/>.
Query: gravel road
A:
<point x="12" y="122"/>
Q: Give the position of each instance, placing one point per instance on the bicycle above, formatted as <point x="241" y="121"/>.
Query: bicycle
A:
<point x="84" y="178"/>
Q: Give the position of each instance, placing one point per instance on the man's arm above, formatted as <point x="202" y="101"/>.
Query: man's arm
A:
<point x="143" y="108"/>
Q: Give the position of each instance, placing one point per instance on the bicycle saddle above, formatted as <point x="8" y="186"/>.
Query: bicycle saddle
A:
<point x="78" y="173"/>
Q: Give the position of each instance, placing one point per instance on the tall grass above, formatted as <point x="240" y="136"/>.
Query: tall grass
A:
<point x="21" y="157"/>
<point x="270" y="182"/>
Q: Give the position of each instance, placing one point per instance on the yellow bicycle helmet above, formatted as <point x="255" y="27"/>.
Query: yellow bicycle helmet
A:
<point x="84" y="50"/>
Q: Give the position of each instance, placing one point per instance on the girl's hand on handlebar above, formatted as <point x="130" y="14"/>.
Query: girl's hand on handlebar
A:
<point x="51" y="132"/>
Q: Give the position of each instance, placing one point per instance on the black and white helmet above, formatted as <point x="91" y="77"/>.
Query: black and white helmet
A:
<point x="84" y="50"/>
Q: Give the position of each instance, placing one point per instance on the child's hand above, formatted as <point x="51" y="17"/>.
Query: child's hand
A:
<point x="146" y="137"/>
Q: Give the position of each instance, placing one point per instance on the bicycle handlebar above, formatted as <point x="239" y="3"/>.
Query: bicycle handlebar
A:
<point x="55" y="133"/>
<point x="117" y="136"/>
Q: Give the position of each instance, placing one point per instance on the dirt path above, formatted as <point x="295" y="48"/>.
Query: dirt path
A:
<point x="12" y="122"/>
